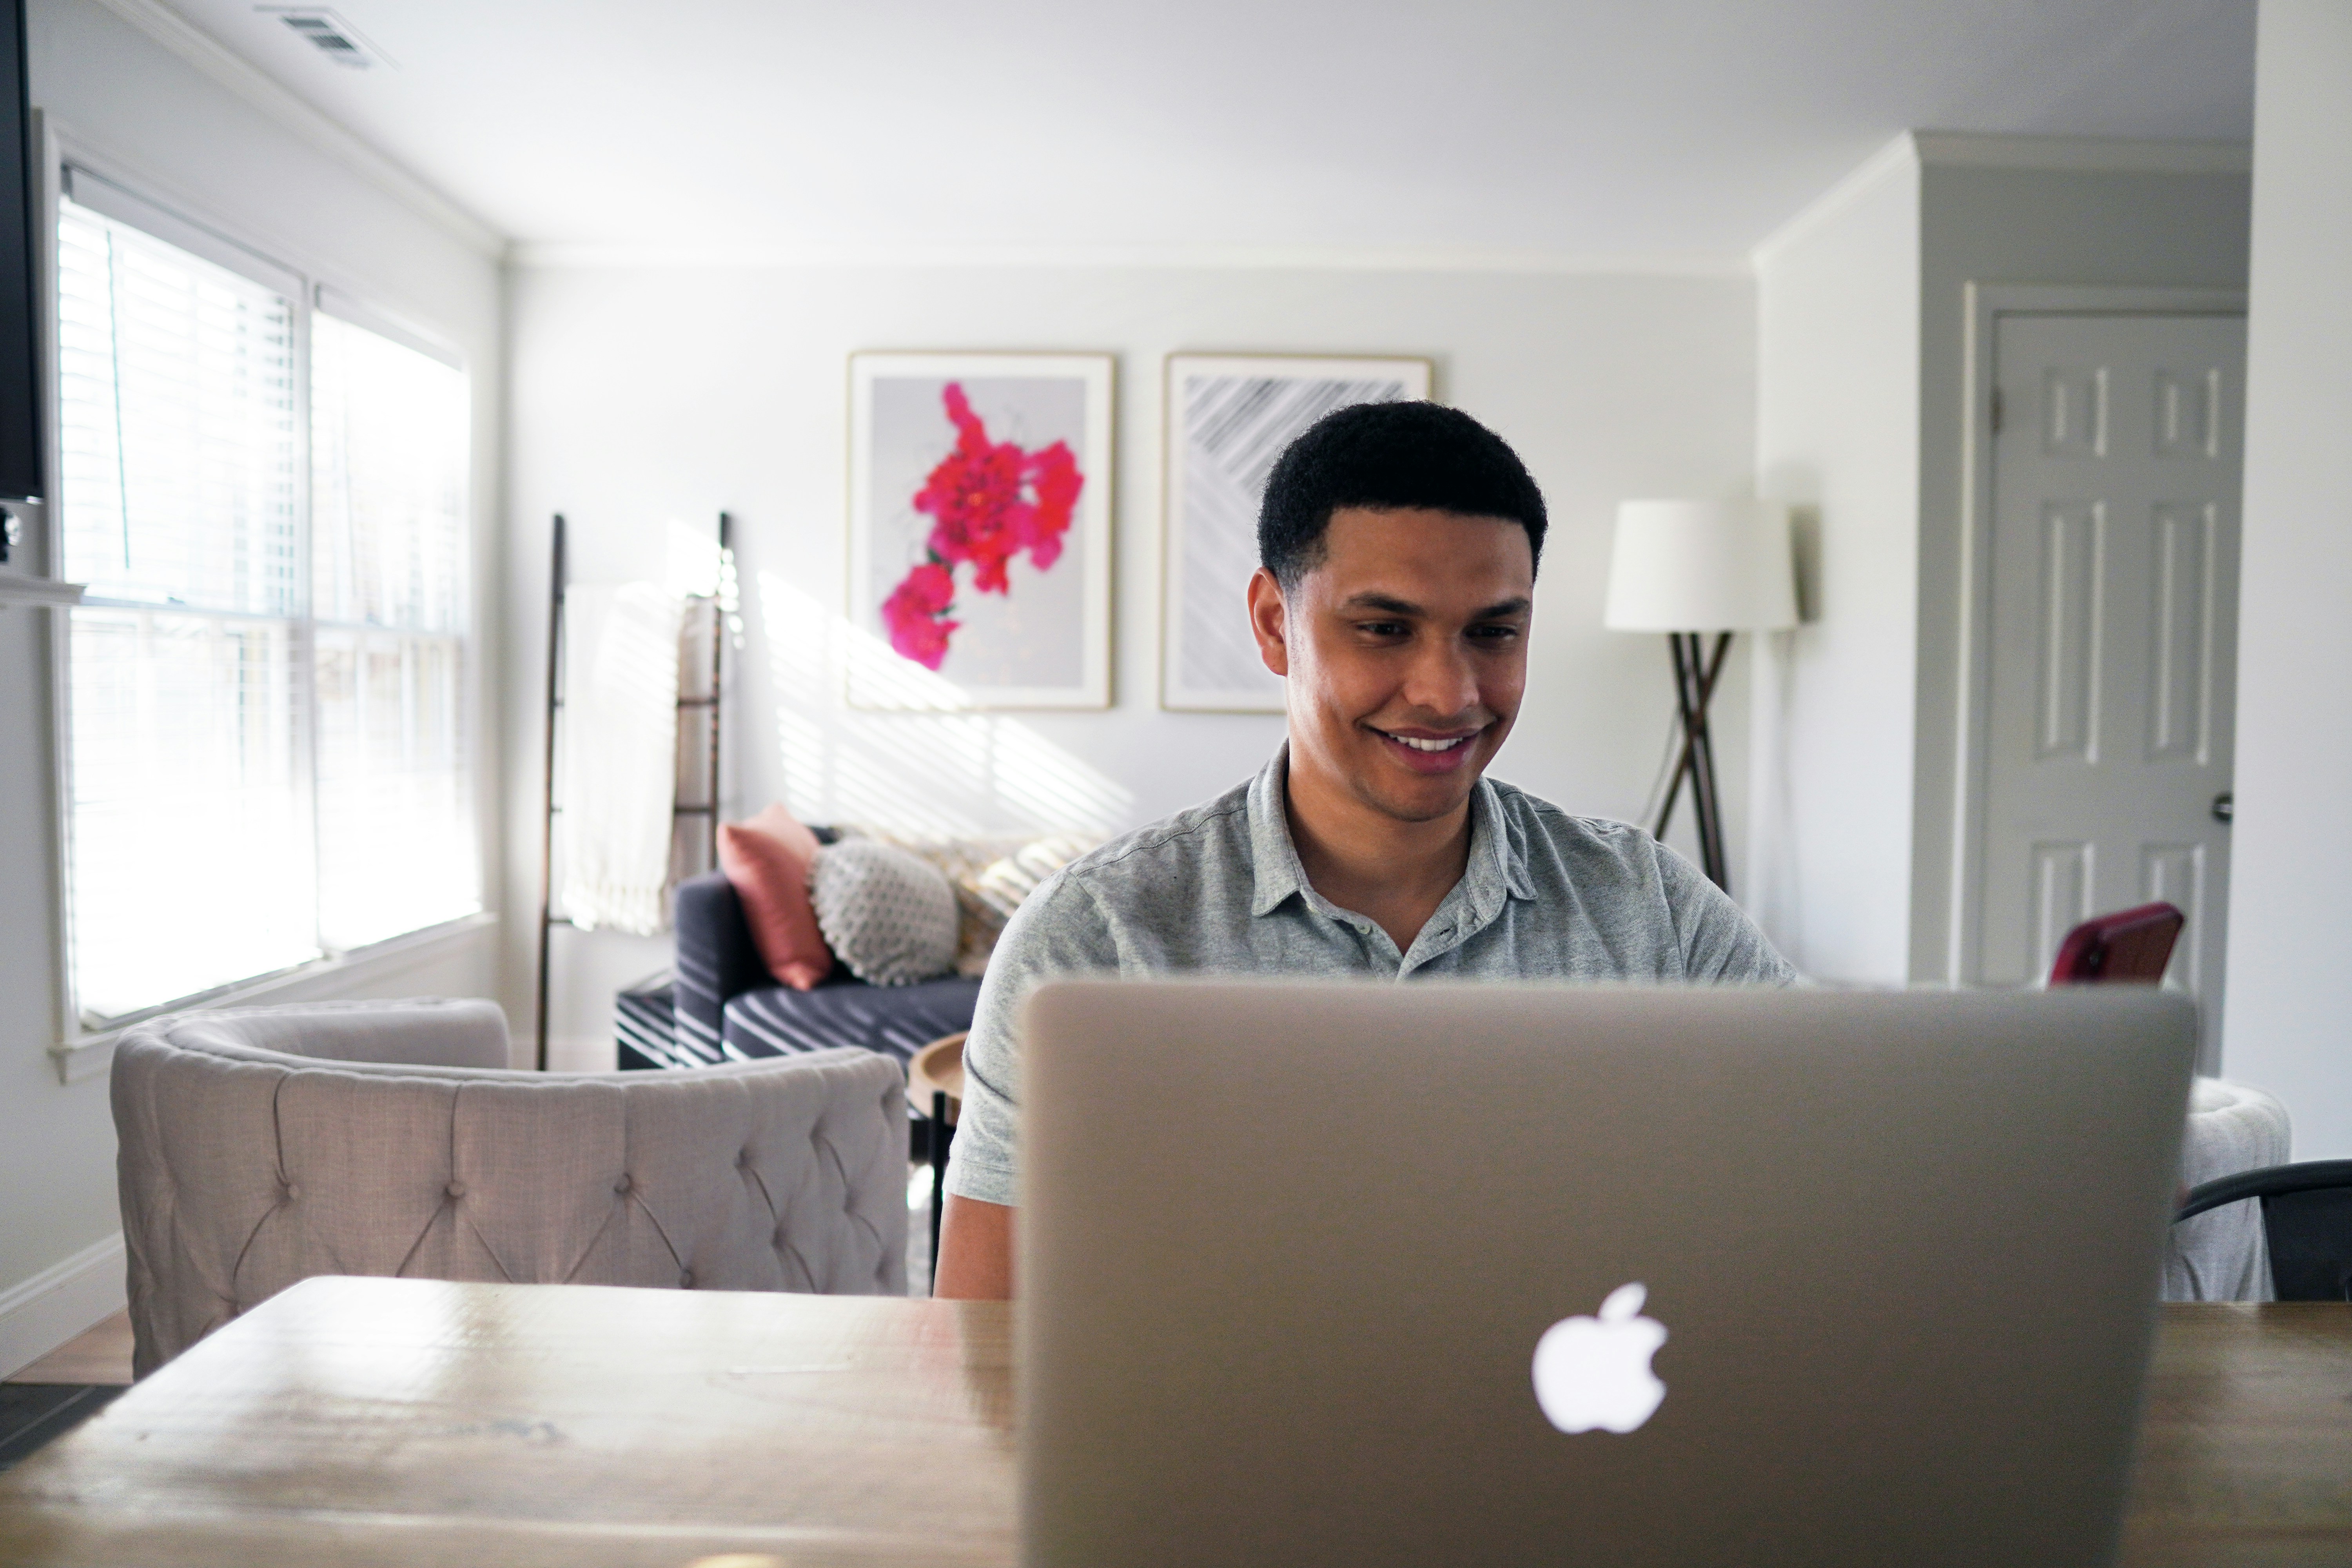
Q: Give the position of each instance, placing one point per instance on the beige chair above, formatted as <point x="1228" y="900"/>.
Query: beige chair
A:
<point x="2224" y="1256"/>
<point x="265" y="1145"/>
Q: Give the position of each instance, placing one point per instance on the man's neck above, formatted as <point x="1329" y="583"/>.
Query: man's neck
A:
<point x="1359" y="858"/>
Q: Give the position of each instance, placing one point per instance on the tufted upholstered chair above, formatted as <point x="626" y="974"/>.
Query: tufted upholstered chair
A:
<point x="261" y="1146"/>
<point x="2223" y="1255"/>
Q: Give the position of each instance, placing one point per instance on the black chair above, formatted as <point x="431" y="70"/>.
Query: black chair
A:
<point x="2306" y="1219"/>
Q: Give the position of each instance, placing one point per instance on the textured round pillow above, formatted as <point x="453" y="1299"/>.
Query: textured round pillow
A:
<point x="888" y="915"/>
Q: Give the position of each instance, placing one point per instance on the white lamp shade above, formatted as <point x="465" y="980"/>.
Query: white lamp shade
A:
<point x="1701" y="566"/>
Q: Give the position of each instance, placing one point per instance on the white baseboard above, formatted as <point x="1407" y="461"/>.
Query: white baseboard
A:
<point x="60" y="1301"/>
<point x="583" y="1053"/>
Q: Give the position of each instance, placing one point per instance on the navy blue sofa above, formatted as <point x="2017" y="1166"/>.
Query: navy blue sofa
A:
<point x="728" y="1007"/>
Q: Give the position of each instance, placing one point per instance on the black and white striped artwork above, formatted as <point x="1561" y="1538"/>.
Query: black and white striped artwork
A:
<point x="1228" y="420"/>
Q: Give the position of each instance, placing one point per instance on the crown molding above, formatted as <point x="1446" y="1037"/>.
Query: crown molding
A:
<point x="561" y="255"/>
<point x="1978" y="150"/>
<point x="1896" y="156"/>
<point x="2082" y="154"/>
<point x="291" y="112"/>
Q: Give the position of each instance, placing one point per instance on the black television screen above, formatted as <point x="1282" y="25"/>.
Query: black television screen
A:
<point x="20" y="367"/>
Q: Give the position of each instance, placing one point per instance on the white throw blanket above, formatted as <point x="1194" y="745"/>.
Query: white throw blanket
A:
<point x="620" y="754"/>
<point x="2222" y="1254"/>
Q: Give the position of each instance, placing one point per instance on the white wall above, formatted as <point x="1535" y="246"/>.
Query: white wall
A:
<point x="2147" y="229"/>
<point x="644" y="396"/>
<point x="1861" y="313"/>
<point x="188" y="138"/>
<point x="1837" y="419"/>
<point x="2290" y="1006"/>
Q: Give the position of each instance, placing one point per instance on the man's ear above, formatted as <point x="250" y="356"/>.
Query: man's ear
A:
<point x="1269" y="621"/>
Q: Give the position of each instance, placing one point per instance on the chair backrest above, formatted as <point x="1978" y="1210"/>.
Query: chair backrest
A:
<point x="2306" y="1218"/>
<point x="245" y="1167"/>
<point x="2130" y="946"/>
<point x="416" y="1031"/>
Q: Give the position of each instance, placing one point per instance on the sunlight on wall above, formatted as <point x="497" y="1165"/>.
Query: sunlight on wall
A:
<point x="691" y="566"/>
<point x="938" y="767"/>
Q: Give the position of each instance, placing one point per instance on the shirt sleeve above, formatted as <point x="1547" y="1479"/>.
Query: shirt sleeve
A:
<point x="1720" y="944"/>
<point x="1058" y="934"/>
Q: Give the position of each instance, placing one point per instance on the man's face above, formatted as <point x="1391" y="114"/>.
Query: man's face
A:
<point x="1404" y="653"/>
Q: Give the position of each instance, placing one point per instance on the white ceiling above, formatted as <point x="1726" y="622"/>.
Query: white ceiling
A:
<point x="1650" y="130"/>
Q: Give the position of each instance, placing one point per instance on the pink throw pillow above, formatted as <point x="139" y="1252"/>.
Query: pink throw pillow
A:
<point x="767" y="861"/>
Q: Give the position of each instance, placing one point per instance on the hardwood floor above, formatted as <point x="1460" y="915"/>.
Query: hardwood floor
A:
<point x="100" y="1357"/>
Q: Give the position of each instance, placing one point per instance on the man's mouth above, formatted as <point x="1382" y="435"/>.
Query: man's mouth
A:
<point x="1426" y="751"/>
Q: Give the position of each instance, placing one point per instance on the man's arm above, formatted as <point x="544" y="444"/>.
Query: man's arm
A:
<point x="1719" y="941"/>
<point x="975" y="1251"/>
<point x="1056" y="931"/>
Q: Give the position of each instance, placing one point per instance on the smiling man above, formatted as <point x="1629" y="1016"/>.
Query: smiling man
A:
<point x="1399" y="544"/>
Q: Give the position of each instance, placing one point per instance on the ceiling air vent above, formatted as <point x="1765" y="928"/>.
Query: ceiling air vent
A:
<point x="329" y="33"/>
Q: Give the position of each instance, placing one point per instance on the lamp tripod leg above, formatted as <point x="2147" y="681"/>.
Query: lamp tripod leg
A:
<point x="1695" y="672"/>
<point x="1695" y="685"/>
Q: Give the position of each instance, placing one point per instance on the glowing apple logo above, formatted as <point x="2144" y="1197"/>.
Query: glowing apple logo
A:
<point x="1595" y="1372"/>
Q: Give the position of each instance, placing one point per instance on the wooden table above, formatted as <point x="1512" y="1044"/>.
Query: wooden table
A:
<point x="406" y="1422"/>
<point x="2246" y="1447"/>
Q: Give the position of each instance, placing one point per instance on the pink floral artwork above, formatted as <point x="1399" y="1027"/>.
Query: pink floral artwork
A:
<point x="989" y="501"/>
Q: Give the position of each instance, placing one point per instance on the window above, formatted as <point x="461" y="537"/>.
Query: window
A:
<point x="388" y="599"/>
<point x="266" y="677"/>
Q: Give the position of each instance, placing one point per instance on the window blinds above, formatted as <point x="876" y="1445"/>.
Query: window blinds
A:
<point x="388" y="550"/>
<point x="267" y="675"/>
<point x="190" y="858"/>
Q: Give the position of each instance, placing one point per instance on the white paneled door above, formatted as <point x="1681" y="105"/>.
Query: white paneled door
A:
<point x="2116" y="458"/>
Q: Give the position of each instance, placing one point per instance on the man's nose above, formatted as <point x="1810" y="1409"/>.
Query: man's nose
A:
<point x="1441" y="679"/>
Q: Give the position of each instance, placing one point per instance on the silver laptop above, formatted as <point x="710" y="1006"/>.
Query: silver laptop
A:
<point x="1480" y="1274"/>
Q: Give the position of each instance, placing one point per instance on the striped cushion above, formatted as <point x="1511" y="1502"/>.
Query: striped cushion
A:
<point x="896" y="1020"/>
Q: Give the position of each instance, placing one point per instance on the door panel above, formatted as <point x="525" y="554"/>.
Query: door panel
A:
<point x="2066" y="672"/>
<point x="2181" y="614"/>
<point x="2114" y="586"/>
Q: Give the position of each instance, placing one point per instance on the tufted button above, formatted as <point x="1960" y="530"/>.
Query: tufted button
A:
<point x="293" y="1191"/>
<point x="456" y="1189"/>
<point x="623" y="1185"/>
<point x="743" y="1161"/>
<point x="686" y="1280"/>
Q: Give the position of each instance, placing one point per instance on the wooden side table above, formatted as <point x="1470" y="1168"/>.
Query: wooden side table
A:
<point x="937" y="1071"/>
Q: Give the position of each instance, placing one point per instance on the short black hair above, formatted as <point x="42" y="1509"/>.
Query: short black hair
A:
<point x="1388" y="456"/>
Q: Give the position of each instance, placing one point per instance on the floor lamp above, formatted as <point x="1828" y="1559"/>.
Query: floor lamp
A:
<point x="1694" y="570"/>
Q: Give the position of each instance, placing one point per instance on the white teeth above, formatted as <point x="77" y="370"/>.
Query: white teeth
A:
<point x="1429" y="745"/>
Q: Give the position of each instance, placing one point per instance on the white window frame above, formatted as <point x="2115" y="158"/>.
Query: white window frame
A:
<point x="107" y="185"/>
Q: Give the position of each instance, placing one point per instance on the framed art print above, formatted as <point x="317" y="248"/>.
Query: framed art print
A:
<point x="1228" y="419"/>
<point x="979" y="491"/>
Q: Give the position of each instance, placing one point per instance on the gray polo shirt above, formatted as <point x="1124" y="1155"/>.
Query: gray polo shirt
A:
<point x="1219" y="890"/>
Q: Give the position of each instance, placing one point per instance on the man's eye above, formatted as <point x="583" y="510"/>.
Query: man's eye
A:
<point x="1495" y="634"/>
<point x="1381" y="628"/>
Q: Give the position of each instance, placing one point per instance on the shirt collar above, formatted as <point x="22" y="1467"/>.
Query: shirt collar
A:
<point x="1493" y="873"/>
<point x="1274" y="860"/>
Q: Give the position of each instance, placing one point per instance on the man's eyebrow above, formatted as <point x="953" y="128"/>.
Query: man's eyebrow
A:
<point x="1496" y="612"/>
<point x="1389" y="605"/>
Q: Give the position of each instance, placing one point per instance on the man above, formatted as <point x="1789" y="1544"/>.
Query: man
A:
<point x="1399" y="543"/>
